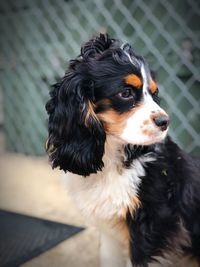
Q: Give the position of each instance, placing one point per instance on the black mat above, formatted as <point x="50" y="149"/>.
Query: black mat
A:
<point x="24" y="237"/>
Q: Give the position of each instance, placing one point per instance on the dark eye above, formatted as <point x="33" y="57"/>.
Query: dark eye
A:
<point x="156" y="97"/>
<point x="127" y="93"/>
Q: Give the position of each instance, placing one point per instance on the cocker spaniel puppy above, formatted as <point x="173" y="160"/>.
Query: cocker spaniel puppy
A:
<point x="108" y="132"/>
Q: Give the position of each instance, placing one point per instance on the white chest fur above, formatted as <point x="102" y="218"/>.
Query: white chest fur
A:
<point x="104" y="199"/>
<point x="109" y="192"/>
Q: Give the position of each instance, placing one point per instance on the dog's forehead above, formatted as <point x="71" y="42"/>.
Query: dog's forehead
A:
<point x="137" y="61"/>
<point x="133" y="57"/>
<point x="144" y="79"/>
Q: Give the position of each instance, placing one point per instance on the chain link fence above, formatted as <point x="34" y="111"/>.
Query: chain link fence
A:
<point x="38" y="37"/>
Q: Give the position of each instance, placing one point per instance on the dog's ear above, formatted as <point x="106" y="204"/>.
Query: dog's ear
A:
<point x="76" y="136"/>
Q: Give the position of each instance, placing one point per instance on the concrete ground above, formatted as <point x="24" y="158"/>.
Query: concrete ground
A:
<point x="29" y="186"/>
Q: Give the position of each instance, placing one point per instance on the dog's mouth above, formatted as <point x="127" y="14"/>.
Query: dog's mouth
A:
<point x="154" y="139"/>
<point x="148" y="131"/>
<point x="146" y="140"/>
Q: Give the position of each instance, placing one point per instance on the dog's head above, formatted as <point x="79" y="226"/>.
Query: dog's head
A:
<point x="107" y="90"/>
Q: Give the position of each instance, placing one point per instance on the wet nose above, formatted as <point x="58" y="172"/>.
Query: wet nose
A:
<point x="162" y="121"/>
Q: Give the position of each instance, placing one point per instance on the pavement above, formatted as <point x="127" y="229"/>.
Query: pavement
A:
<point x="29" y="186"/>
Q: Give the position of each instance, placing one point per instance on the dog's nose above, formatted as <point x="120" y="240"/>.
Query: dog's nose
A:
<point x="162" y="121"/>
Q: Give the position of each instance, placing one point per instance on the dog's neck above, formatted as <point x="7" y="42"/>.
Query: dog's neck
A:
<point x="121" y="156"/>
<point x="114" y="153"/>
<point x="114" y="189"/>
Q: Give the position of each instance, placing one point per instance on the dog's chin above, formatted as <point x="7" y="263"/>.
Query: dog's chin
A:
<point x="146" y="141"/>
<point x="151" y="142"/>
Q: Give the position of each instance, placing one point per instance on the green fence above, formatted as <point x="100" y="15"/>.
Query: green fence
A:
<point x="38" y="37"/>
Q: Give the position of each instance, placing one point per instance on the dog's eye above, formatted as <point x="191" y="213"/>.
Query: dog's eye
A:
<point x="127" y="93"/>
<point x="156" y="92"/>
<point x="156" y="97"/>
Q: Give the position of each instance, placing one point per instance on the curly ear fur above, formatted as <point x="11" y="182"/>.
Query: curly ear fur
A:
<point x="76" y="136"/>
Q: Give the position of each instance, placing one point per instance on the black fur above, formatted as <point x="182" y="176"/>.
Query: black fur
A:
<point x="169" y="195"/>
<point x="72" y="145"/>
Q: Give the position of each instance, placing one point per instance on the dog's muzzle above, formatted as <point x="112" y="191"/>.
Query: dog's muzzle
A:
<point x="162" y="121"/>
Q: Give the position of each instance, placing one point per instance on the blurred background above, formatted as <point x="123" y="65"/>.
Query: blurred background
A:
<point x="37" y="38"/>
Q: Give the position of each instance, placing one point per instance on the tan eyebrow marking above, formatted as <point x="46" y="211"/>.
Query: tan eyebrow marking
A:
<point x="133" y="80"/>
<point x="153" y="86"/>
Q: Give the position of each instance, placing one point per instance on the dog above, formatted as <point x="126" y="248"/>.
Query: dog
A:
<point x="109" y="133"/>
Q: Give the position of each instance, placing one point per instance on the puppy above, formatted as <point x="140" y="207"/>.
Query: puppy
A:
<point x="108" y="132"/>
